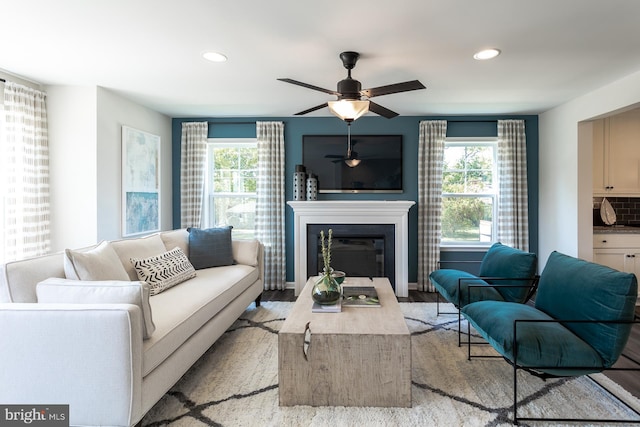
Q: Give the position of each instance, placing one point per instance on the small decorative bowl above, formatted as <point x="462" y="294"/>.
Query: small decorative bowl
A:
<point x="339" y="276"/>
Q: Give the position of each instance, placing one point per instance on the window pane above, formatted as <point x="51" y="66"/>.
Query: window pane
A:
<point x="232" y="187"/>
<point x="468" y="169"/>
<point x="467" y="219"/>
<point x="239" y="212"/>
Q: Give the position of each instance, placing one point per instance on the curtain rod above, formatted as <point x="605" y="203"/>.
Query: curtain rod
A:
<point x="232" y="123"/>
<point x="3" y="80"/>
<point x="456" y="121"/>
<point x="472" y="121"/>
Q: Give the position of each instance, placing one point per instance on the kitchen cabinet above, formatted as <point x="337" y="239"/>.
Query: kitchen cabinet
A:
<point x="619" y="251"/>
<point x="616" y="155"/>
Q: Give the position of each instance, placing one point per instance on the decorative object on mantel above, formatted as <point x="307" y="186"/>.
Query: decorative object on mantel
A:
<point x="607" y="213"/>
<point x="312" y="187"/>
<point x="299" y="182"/>
<point x="326" y="291"/>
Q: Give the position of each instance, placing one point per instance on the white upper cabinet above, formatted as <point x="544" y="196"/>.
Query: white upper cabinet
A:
<point x="616" y="155"/>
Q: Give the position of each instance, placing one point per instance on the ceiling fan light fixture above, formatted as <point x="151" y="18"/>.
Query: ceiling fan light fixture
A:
<point x="352" y="163"/>
<point x="486" y="54"/>
<point x="348" y="109"/>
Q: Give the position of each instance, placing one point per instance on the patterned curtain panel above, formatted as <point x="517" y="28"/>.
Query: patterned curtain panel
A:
<point x="513" y="217"/>
<point x="193" y="164"/>
<point x="430" y="164"/>
<point x="270" y="204"/>
<point x="24" y="169"/>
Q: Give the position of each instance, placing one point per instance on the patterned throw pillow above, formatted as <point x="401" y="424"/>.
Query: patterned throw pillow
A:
<point x="164" y="271"/>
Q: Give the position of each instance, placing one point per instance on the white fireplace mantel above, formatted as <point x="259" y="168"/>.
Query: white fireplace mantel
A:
<point x="394" y="212"/>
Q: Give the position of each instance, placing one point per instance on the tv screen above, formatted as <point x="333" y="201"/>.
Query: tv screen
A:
<point x="379" y="169"/>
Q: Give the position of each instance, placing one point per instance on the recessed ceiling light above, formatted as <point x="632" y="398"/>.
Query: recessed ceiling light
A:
<point x="486" y="54"/>
<point x="214" y="56"/>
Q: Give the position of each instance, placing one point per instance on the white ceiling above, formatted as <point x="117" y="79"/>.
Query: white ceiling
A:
<point x="150" y="51"/>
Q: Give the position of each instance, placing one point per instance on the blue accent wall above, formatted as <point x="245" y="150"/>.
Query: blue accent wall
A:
<point x="408" y="127"/>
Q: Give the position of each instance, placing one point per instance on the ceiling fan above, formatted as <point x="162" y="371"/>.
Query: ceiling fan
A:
<point x="352" y="97"/>
<point x="351" y="159"/>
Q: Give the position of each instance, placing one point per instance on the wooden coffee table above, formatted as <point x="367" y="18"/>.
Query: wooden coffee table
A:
<point x="359" y="357"/>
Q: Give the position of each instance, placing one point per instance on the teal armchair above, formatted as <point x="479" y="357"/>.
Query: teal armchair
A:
<point x="506" y="274"/>
<point x="580" y="322"/>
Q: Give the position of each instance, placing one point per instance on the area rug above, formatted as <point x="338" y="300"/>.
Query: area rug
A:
<point x="235" y="383"/>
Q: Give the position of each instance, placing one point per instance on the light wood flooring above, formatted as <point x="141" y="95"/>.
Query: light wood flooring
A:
<point x="629" y="380"/>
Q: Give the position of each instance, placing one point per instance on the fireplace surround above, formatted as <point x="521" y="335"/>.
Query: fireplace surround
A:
<point x="353" y="212"/>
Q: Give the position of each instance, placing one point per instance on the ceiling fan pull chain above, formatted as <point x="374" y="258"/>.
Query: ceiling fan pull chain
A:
<point x="349" y="140"/>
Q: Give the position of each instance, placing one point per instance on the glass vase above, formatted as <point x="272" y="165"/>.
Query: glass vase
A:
<point x="326" y="291"/>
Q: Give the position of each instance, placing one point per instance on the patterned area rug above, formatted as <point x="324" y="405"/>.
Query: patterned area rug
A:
<point x="236" y="383"/>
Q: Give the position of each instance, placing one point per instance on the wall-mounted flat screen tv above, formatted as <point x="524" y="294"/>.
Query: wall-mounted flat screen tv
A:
<point x="379" y="169"/>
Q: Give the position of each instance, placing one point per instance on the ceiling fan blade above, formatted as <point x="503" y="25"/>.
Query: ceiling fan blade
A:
<point x="379" y="109"/>
<point x="394" y="88"/>
<point x="308" y="86"/>
<point x="317" y="107"/>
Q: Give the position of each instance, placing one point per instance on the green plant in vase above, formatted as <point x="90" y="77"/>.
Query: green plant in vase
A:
<point x="326" y="291"/>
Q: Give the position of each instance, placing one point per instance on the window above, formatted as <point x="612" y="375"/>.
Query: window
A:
<point x="232" y="175"/>
<point x="469" y="188"/>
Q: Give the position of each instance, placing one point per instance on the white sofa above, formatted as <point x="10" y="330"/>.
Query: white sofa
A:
<point x="92" y="356"/>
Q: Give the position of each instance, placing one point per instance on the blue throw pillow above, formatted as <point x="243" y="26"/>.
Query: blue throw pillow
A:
<point x="210" y="247"/>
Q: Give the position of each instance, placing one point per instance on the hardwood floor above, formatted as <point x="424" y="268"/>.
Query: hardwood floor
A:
<point x="629" y="380"/>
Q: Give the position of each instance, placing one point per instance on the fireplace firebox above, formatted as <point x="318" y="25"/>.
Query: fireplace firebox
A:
<point x="360" y="250"/>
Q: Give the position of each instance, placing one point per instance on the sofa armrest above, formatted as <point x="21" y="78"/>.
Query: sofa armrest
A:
<point x="88" y="356"/>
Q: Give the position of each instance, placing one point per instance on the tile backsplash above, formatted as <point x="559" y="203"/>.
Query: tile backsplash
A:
<point x="627" y="210"/>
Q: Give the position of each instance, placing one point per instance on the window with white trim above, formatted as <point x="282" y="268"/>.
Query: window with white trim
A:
<point x="232" y="175"/>
<point x="469" y="190"/>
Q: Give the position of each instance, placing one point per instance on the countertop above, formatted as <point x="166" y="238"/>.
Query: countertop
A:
<point x="615" y="229"/>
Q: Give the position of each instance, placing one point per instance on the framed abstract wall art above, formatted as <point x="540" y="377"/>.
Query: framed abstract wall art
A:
<point x="140" y="182"/>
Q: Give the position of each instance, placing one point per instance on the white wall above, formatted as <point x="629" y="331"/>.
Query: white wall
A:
<point x="71" y="112"/>
<point x="565" y="207"/>
<point x="85" y="147"/>
<point x="114" y="111"/>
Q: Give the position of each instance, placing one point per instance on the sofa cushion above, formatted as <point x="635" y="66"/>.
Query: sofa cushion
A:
<point x="55" y="290"/>
<point x="141" y="247"/>
<point x="99" y="263"/>
<point x="505" y="261"/>
<point x="182" y="310"/>
<point x="245" y="251"/>
<point x="176" y="239"/>
<point x="548" y="344"/>
<point x="571" y="288"/>
<point x="210" y="247"/>
<point x="473" y="289"/>
<point x="165" y="270"/>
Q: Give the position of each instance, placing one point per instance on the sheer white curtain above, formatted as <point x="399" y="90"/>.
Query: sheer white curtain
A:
<point x="513" y="216"/>
<point x="193" y="164"/>
<point x="270" y="203"/>
<point x="430" y="165"/>
<point x="24" y="169"/>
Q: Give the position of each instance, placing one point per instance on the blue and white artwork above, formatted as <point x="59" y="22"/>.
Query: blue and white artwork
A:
<point x="142" y="212"/>
<point x="140" y="181"/>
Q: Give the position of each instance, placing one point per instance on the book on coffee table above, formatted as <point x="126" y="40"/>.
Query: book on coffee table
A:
<point x="333" y="308"/>
<point x="360" y="296"/>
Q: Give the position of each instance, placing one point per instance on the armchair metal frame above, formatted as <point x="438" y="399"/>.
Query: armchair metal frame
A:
<point x="535" y="370"/>
<point x="533" y="285"/>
